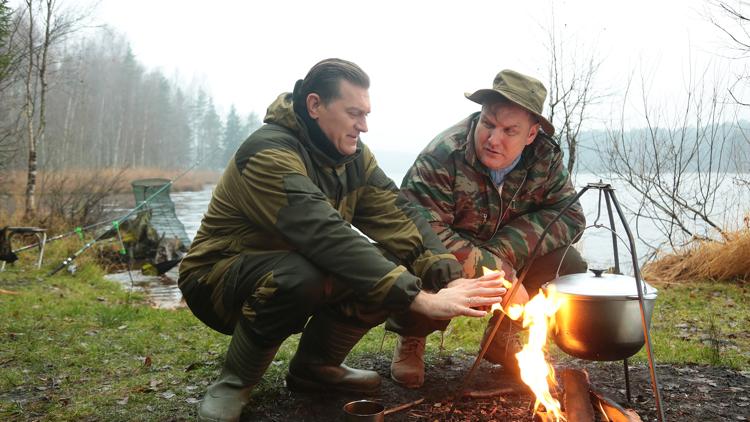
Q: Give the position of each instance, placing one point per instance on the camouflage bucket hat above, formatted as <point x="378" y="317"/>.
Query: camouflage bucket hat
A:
<point x="520" y="89"/>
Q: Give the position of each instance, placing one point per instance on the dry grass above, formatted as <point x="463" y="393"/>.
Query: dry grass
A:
<point x="74" y="197"/>
<point x="193" y="180"/>
<point x="705" y="260"/>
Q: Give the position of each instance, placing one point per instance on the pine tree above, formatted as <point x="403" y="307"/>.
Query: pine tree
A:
<point x="233" y="135"/>
<point x="5" y="12"/>
<point x="211" y="137"/>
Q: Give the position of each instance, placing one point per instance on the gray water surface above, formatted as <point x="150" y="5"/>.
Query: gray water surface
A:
<point x="595" y="244"/>
<point x="162" y="291"/>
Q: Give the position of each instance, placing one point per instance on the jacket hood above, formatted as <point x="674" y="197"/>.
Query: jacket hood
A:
<point x="281" y="112"/>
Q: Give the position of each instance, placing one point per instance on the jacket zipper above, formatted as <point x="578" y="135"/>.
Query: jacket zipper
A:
<point x="512" y="199"/>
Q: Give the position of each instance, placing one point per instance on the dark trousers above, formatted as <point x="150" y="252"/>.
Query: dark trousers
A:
<point x="542" y="270"/>
<point x="272" y="295"/>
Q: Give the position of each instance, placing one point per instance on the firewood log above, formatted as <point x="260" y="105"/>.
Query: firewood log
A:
<point x="614" y="411"/>
<point x="577" y="402"/>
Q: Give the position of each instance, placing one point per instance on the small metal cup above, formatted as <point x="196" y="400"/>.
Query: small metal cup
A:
<point x="364" y="411"/>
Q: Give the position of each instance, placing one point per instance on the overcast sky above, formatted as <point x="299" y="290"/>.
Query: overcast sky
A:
<point x="421" y="55"/>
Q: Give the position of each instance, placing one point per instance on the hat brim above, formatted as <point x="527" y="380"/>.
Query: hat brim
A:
<point x="483" y="96"/>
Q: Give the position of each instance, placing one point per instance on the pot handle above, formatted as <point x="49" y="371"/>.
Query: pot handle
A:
<point x="597" y="273"/>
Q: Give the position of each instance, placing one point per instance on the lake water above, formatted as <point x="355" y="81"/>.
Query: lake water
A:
<point x="595" y="245"/>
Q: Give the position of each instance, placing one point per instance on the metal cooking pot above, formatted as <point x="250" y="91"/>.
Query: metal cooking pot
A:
<point x="600" y="318"/>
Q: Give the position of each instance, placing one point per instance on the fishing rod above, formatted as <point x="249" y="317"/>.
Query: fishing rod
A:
<point x="78" y="230"/>
<point x="116" y="223"/>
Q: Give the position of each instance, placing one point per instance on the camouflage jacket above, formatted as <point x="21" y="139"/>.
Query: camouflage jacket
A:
<point x="281" y="193"/>
<point x="487" y="226"/>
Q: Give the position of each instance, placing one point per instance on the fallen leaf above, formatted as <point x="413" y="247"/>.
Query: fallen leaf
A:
<point x="192" y="400"/>
<point x="167" y="394"/>
<point x="123" y="401"/>
<point x="147" y="362"/>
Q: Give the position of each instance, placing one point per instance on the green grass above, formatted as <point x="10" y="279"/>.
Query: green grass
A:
<point x="702" y="323"/>
<point x="80" y="348"/>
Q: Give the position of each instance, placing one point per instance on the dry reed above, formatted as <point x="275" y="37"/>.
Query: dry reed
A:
<point x="193" y="180"/>
<point x="73" y="182"/>
<point x="705" y="260"/>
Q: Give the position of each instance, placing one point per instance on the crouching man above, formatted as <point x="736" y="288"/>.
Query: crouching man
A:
<point x="276" y="253"/>
<point x="488" y="186"/>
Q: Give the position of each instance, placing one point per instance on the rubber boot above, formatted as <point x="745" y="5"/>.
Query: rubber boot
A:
<point x="317" y="366"/>
<point x="407" y="366"/>
<point x="243" y="368"/>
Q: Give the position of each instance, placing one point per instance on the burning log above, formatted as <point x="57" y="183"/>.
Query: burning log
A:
<point x="614" y="411"/>
<point x="576" y="400"/>
<point x="582" y="401"/>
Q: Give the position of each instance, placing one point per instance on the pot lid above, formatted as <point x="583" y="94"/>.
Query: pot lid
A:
<point x="600" y="284"/>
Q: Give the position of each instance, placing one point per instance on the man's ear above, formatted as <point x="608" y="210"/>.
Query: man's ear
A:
<point x="313" y="105"/>
<point x="533" y="132"/>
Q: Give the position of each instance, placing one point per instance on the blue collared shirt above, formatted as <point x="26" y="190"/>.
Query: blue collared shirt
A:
<point x="498" y="176"/>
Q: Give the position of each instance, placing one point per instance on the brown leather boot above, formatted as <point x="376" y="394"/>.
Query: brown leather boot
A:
<point x="317" y="366"/>
<point x="407" y="366"/>
<point x="243" y="368"/>
<point x="505" y="344"/>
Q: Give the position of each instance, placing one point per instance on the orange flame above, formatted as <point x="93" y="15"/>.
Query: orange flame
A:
<point x="536" y="372"/>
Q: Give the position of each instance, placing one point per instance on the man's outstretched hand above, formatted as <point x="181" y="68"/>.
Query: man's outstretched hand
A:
<point x="462" y="297"/>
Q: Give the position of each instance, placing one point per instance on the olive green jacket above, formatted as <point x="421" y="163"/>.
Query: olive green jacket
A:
<point x="281" y="193"/>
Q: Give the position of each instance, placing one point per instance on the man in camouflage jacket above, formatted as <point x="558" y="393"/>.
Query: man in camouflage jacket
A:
<point x="276" y="247"/>
<point x="489" y="185"/>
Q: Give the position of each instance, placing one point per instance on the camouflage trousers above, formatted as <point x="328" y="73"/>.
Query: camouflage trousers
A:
<point x="542" y="270"/>
<point x="272" y="295"/>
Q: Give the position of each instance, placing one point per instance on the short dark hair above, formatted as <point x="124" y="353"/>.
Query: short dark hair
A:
<point x="323" y="79"/>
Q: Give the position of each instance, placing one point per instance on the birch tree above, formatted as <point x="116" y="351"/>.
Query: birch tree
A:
<point x="47" y="26"/>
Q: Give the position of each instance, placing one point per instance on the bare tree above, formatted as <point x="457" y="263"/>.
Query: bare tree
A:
<point x="732" y="21"/>
<point x="47" y="26"/>
<point x="679" y="164"/>
<point x="572" y="89"/>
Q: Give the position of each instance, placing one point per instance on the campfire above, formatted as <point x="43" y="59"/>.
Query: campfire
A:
<point x="582" y="402"/>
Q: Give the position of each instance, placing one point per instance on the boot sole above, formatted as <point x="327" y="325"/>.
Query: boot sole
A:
<point x="412" y="386"/>
<point x="297" y="384"/>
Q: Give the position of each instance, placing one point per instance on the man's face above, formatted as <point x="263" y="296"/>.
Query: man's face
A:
<point x="342" y="119"/>
<point x="501" y="134"/>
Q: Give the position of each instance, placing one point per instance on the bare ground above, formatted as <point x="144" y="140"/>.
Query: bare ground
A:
<point x="689" y="393"/>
